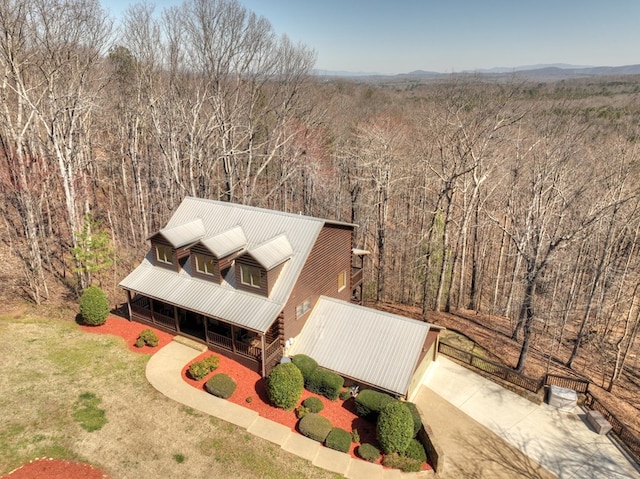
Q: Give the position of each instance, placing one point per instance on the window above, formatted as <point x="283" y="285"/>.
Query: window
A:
<point x="204" y="264"/>
<point x="164" y="254"/>
<point x="250" y="275"/>
<point x="342" y="280"/>
<point x="303" y="308"/>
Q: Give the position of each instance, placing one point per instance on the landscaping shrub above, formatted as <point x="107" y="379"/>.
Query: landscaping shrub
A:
<point x="345" y="394"/>
<point x="147" y="337"/>
<point x="394" y="428"/>
<point x="302" y="411"/>
<point x="221" y="385"/>
<point x="406" y="464"/>
<point x="415" y="415"/>
<point x="313" y="404"/>
<point x="355" y="437"/>
<point x="284" y="385"/>
<point x="368" y="452"/>
<point x="416" y="451"/>
<point x="305" y="364"/>
<point x="369" y="402"/>
<point x="338" y="439"/>
<point x="199" y="369"/>
<point x="94" y="306"/>
<point x="325" y="382"/>
<point x="315" y="426"/>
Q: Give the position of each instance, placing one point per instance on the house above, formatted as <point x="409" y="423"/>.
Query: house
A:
<point x="248" y="282"/>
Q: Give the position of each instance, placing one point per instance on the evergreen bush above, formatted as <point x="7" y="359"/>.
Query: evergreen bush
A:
<point x="404" y="463"/>
<point x="369" y="402"/>
<point x="313" y="404"/>
<point x="368" y="452"/>
<point x="416" y="451"/>
<point x="325" y="382"/>
<point x="415" y="415"/>
<point x="305" y="364"/>
<point x="199" y="369"/>
<point x="394" y="428"/>
<point x="94" y="306"/>
<point x="147" y="337"/>
<point x="315" y="426"/>
<point x="221" y="385"/>
<point x="338" y="439"/>
<point x="284" y="385"/>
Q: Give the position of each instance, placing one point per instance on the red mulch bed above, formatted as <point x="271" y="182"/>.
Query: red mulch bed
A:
<point x="250" y="385"/>
<point x="56" y="469"/>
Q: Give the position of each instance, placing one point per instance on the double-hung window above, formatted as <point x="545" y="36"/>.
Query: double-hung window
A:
<point x="204" y="264"/>
<point x="164" y="254"/>
<point x="250" y="275"/>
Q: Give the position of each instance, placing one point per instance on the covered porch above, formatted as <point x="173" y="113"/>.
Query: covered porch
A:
<point x="256" y="350"/>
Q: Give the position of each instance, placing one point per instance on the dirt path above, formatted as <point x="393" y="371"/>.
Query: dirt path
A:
<point x="471" y="450"/>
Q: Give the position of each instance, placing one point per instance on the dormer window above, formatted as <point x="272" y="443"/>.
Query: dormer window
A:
<point x="250" y="275"/>
<point x="205" y="264"/>
<point x="164" y="254"/>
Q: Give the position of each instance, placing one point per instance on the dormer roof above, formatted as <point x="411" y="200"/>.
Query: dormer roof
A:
<point x="272" y="252"/>
<point x="184" y="234"/>
<point x="226" y="243"/>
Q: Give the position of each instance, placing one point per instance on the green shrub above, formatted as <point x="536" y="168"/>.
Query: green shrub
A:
<point x="406" y="464"/>
<point x="302" y="411"/>
<point x="313" y="404"/>
<point x="199" y="369"/>
<point x="221" y="385"/>
<point x="94" y="306"/>
<point x="338" y="439"/>
<point x="345" y="394"/>
<point x="369" y="402"/>
<point x="315" y="426"/>
<point x="355" y="437"/>
<point x="305" y="364"/>
<point x="416" y="451"/>
<point x="368" y="452"/>
<point x="394" y="428"/>
<point x="284" y="386"/>
<point x="147" y="337"/>
<point x="415" y="415"/>
<point x="325" y="382"/>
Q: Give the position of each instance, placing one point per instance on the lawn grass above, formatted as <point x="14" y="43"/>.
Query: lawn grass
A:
<point x="51" y="370"/>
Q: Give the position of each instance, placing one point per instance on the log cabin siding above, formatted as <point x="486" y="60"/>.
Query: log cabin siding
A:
<point x="330" y="255"/>
<point x="200" y="249"/>
<point x="159" y="240"/>
<point x="247" y="259"/>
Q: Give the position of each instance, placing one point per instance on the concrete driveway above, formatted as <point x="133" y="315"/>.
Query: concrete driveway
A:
<point x="560" y="442"/>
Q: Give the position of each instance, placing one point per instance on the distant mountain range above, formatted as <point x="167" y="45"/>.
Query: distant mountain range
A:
<point x="548" y="72"/>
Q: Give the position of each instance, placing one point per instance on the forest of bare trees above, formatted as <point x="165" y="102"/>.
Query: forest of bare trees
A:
<point x="511" y="198"/>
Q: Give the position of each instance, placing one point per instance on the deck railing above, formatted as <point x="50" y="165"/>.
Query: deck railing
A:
<point x="220" y="340"/>
<point x="578" y="385"/>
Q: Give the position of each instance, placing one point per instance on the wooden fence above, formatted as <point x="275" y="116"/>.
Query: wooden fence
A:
<point x="623" y="433"/>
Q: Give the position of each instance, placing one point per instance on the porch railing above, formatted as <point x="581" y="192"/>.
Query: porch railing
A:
<point x="220" y="340"/>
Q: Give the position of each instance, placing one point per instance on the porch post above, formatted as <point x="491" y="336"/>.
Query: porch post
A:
<point x="151" y="308"/>
<point x="264" y="355"/>
<point x="175" y="318"/>
<point x="129" y="304"/>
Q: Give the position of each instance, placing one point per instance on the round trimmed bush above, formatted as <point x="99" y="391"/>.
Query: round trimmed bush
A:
<point x="416" y="451"/>
<point x="284" y="386"/>
<point x="94" y="306"/>
<point x="315" y="426"/>
<point x="313" y="404"/>
<point x="324" y="382"/>
<point x="221" y="385"/>
<point x="307" y="365"/>
<point x="394" y="428"/>
<point x="147" y="337"/>
<point x="369" y="402"/>
<point x="338" y="439"/>
<point x="415" y="415"/>
<point x="368" y="452"/>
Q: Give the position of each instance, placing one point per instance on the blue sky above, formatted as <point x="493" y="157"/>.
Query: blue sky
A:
<point x="400" y="36"/>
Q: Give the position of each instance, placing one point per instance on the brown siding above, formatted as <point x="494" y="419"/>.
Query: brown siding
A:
<point x="248" y="260"/>
<point x="330" y="255"/>
<point x="199" y="249"/>
<point x="156" y="240"/>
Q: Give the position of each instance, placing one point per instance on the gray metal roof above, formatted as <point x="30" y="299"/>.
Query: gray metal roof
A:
<point x="222" y="301"/>
<point x="273" y="252"/>
<point x="185" y="233"/>
<point x="227" y="242"/>
<point x="364" y="344"/>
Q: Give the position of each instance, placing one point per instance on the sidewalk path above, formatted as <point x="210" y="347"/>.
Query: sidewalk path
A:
<point x="164" y="374"/>
<point x="560" y="442"/>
